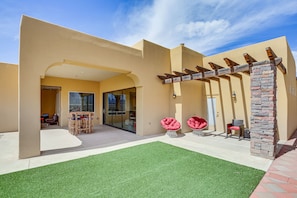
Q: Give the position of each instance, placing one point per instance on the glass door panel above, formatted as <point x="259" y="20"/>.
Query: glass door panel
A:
<point x="129" y="118"/>
<point x="119" y="109"/>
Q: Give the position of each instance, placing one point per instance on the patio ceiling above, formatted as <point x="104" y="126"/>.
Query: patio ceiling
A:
<point x="80" y="72"/>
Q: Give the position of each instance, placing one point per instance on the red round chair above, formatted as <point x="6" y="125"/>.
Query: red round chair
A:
<point x="170" y="123"/>
<point x="197" y="124"/>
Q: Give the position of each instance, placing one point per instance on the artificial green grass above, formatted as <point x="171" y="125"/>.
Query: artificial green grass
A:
<point x="150" y="170"/>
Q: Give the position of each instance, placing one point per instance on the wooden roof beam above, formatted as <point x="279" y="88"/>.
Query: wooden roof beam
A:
<point x="232" y="63"/>
<point x="170" y="75"/>
<point x="271" y="55"/>
<point x="204" y="80"/>
<point x="188" y="71"/>
<point x="215" y="66"/>
<point x="202" y="69"/>
<point x="225" y="77"/>
<point x="162" y="77"/>
<point x="214" y="78"/>
<point x="249" y="59"/>
<point x="179" y="73"/>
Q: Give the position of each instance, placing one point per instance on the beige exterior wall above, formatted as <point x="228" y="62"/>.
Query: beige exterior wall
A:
<point x="9" y="97"/>
<point x="291" y="89"/>
<point x="53" y="46"/>
<point x="151" y="95"/>
<point x="190" y="95"/>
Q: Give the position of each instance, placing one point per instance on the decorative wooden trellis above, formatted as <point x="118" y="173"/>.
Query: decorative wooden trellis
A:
<point x="218" y="71"/>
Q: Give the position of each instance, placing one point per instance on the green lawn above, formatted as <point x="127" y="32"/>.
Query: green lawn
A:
<point x="150" y="170"/>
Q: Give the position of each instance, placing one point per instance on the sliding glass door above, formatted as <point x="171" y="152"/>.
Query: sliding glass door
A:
<point x="120" y="109"/>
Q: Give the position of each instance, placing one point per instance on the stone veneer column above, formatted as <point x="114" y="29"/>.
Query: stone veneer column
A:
<point x="263" y="128"/>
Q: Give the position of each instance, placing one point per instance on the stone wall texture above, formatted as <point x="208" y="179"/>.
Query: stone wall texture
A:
<point x="263" y="129"/>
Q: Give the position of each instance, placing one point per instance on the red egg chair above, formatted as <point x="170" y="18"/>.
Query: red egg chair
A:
<point x="197" y="124"/>
<point x="171" y="125"/>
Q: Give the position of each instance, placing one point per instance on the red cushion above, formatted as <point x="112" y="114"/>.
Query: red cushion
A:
<point x="170" y="123"/>
<point x="234" y="128"/>
<point x="196" y="122"/>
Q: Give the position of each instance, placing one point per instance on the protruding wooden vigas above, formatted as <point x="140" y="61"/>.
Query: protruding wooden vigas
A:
<point x="218" y="71"/>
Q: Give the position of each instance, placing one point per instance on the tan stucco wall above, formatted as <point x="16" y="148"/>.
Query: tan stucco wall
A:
<point x="9" y="97"/>
<point x="292" y="93"/>
<point x="285" y="84"/>
<point x="52" y="46"/>
<point x="190" y="95"/>
<point x="72" y="85"/>
<point x="151" y="95"/>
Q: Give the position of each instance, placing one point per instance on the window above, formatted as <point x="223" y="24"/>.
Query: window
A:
<point x="81" y="101"/>
<point x="116" y="104"/>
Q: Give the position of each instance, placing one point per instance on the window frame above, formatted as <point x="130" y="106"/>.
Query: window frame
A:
<point x="81" y="103"/>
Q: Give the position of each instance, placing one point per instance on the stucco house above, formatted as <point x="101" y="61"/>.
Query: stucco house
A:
<point x="134" y="87"/>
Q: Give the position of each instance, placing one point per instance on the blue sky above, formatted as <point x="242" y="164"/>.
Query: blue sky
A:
<point x="207" y="26"/>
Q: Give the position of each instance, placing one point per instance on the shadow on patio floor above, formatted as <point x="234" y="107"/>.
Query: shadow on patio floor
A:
<point x="102" y="136"/>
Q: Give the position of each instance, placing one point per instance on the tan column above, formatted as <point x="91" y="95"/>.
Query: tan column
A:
<point x="29" y="112"/>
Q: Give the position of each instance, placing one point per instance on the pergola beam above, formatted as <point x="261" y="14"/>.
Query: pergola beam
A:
<point x="179" y="73"/>
<point x="249" y="59"/>
<point x="216" y="67"/>
<point x="202" y="69"/>
<point x="170" y="75"/>
<point x="162" y="77"/>
<point x="188" y="71"/>
<point x="232" y="64"/>
<point x="213" y="65"/>
<point x="271" y="55"/>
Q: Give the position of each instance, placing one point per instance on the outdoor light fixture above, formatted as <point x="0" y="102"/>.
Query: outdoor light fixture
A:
<point x="234" y="96"/>
<point x="173" y="95"/>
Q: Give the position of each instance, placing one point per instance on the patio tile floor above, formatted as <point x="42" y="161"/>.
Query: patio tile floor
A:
<point x="280" y="179"/>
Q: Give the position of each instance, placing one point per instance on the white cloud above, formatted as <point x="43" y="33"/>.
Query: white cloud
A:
<point x="202" y="29"/>
<point x="203" y="25"/>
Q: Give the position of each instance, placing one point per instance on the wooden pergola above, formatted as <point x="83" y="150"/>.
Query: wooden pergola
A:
<point x="263" y="130"/>
<point x="233" y="69"/>
<point x="219" y="72"/>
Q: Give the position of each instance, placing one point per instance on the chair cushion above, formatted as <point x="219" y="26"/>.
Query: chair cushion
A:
<point x="196" y="123"/>
<point x="234" y="128"/>
<point x="169" y="123"/>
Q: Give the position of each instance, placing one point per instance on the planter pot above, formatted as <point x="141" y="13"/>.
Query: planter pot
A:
<point x="171" y="133"/>
<point x="199" y="132"/>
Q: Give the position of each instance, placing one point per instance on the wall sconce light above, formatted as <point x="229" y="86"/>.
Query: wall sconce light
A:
<point x="234" y="96"/>
<point x="173" y="95"/>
